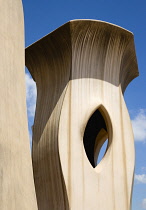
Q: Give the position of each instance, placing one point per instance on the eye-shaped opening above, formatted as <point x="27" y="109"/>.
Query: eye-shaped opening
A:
<point x="96" y="137"/>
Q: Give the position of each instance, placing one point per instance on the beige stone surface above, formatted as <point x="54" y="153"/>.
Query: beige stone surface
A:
<point x="81" y="67"/>
<point x="16" y="177"/>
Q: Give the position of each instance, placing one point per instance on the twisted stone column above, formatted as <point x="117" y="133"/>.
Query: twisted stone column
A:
<point x="81" y="71"/>
<point x="16" y="178"/>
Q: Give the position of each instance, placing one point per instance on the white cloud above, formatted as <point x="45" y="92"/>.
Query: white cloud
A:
<point x="140" y="178"/>
<point x="31" y="94"/>
<point x="144" y="203"/>
<point x="139" y="126"/>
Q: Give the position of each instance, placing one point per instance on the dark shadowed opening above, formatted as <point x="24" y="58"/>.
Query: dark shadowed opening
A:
<point x="95" y="138"/>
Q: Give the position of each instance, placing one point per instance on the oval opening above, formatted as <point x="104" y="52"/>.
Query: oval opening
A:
<point x="95" y="138"/>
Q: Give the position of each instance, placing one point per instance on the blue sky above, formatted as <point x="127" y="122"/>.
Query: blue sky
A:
<point x="42" y="17"/>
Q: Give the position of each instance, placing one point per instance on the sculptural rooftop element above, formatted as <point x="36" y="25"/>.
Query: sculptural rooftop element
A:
<point x="81" y="70"/>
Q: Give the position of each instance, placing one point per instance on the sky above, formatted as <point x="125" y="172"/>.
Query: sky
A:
<point x="42" y="17"/>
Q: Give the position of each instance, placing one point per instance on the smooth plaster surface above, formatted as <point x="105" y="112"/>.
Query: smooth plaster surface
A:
<point x="16" y="178"/>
